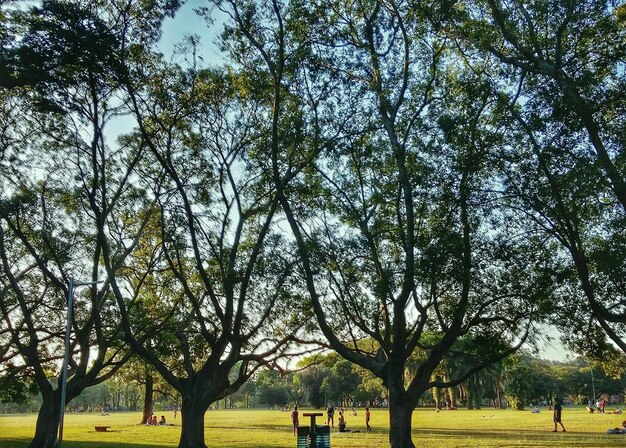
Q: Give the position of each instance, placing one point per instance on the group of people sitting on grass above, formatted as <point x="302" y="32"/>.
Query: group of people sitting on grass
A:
<point x="152" y="421"/>
<point x="617" y="410"/>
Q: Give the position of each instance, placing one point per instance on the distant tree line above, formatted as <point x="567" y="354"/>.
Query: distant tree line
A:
<point x="518" y="382"/>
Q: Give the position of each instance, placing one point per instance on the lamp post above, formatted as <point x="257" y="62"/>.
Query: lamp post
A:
<point x="70" y="306"/>
<point x="593" y="386"/>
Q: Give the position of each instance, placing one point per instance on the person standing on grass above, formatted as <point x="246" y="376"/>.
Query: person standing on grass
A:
<point x="294" y="420"/>
<point x="557" y="414"/>
<point x="367" y="419"/>
<point x="330" y="413"/>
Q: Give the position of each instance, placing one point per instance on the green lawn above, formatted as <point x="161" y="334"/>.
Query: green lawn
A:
<point x="262" y="429"/>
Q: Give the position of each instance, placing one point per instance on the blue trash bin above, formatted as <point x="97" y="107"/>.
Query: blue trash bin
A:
<point x="322" y="436"/>
<point x="303" y="437"/>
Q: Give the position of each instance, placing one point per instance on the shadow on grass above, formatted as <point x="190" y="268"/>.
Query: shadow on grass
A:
<point x="506" y="438"/>
<point x="547" y="432"/>
<point x="523" y="437"/>
<point x="23" y="443"/>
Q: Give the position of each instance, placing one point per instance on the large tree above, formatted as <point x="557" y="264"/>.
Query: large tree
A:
<point x="399" y="239"/>
<point x="217" y="295"/>
<point x="72" y="197"/>
<point x="564" y="80"/>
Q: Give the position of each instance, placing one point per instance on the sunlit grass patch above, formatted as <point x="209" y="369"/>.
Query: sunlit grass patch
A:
<point x="264" y="428"/>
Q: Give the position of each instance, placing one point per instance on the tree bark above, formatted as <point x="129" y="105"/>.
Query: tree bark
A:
<point x="498" y="399"/>
<point x="148" y="400"/>
<point x="400" y="415"/>
<point x="47" y="427"/>
<point x="192" y="415"/>
<point x="479" y="396"/>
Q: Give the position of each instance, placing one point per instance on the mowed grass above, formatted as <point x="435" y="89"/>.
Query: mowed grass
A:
<point x="263" y="428"/>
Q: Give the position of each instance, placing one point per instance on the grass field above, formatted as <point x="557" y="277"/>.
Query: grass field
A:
<point x="263" y="428"/>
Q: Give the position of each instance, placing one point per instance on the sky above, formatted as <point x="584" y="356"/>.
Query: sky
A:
<point x="173" y="34"/>
<point x="551" y="348"/>
<point x="187" y="21"/>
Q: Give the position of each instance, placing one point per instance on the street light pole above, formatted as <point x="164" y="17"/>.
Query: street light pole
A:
<point x="593" y="386"/>
<point x="70" y="306"/>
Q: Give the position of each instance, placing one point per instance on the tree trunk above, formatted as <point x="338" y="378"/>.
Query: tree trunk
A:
<point x="437" y="396"/>
<point x="400" y="414"/>
<point x="498" y="399"/>
<point x="192" y="415"/>
<point x="133" y="403"/>
<point x="148" y="401"/>
<point x="47" y="427"/>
